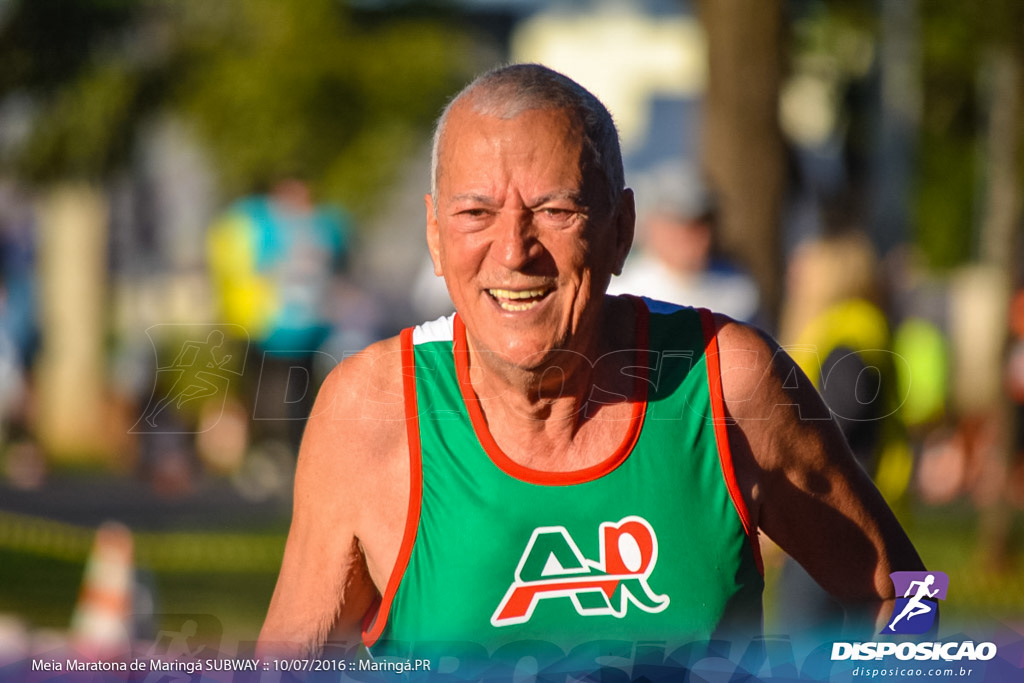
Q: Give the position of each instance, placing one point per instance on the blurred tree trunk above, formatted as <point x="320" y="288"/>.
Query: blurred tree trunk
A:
<point x="899" y="122"/>
<point x="999" y="249"/>
<point x="72" y="274"/>
<point x="743" y="150"/>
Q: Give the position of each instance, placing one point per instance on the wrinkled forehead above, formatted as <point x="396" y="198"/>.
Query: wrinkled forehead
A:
<point x="471" y="129"/>
<point x="469" y="112"/>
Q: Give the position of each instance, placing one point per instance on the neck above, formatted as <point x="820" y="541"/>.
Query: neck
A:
<point x="569" y="388"/>
<point x="556" y="390"/>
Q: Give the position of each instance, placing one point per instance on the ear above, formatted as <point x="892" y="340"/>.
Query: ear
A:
<point x="625" y="228"/>
<point x="433" y="238"/>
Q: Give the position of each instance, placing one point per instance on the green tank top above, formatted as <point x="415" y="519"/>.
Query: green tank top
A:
<point x="653" y="543"/>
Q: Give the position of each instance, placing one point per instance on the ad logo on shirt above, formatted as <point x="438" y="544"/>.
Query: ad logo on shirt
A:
<point x="552" y="566"/>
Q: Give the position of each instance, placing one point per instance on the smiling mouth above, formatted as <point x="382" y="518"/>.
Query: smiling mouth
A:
<point x="518" y="299"/>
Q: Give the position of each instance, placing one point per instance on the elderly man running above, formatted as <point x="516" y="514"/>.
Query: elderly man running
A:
<point x="554" y="465"/>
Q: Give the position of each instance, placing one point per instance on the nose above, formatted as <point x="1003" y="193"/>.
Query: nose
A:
<point x="515" y="243"/>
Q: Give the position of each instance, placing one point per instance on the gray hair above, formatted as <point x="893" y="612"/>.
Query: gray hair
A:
<point x="507" y="91"/>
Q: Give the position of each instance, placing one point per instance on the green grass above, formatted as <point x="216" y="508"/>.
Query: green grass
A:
<point x="947" y="539"/>
<point x="237" y="600"/>
<point x="43" y="591"/>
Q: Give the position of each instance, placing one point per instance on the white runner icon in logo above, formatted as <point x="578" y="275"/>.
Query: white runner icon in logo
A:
<point x="916" y="605"/>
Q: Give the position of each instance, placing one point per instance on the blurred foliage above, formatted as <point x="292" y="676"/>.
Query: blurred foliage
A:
<point x="955" y="42"/>
<point x="958" y="42"/>
<point x="948" y="198"/>
<point x="271" y="87"/>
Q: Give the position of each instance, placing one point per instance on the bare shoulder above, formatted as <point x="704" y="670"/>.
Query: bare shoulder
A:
<point x="766" y="393"/>
<point x="355" y="436"/>
<point x="356" y="423"/>
<point x="368" y="382"/>
<point x="355" y="453"/>
<point x="750" y="358"/>
<point x="745" y="358"/>
<point x="361" y="398"/>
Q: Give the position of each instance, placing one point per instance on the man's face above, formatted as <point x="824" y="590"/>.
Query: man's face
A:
<point x="523" y="233"/>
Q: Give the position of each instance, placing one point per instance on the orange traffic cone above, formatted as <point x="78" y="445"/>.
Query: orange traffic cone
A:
<point x="101" y="622"/>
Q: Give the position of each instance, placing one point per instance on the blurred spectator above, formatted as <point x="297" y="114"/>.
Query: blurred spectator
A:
<point x="677" y="260"/>
<point x="1015" y="391"/>
<point x="19" y="335"/>
<point x="834" y="327"/>
<point x="965" y="451"/>
<point x="274" y="260"/>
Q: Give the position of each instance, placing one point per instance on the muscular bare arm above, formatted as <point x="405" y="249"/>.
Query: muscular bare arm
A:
<point x="800" y="480"/>
<point x="348" y="499"/>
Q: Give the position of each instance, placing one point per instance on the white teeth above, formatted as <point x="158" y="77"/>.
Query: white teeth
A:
<point x="513" y="294"/>
<point x="516" y="300"/>
<point x="506" y="306"/>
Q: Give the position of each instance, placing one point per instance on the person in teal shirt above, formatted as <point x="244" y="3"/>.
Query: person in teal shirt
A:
<point x="275" y="259"/>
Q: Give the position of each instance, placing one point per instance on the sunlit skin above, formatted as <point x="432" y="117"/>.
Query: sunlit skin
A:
<point x="516" y="211"/>
<point x="524" y="235"/>
<point x="526" y="239"/>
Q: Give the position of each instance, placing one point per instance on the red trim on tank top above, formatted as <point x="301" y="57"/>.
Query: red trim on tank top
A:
<point x="376" y="619"/>
<point x="542" y="477"/>
<point x="714" y="368"/>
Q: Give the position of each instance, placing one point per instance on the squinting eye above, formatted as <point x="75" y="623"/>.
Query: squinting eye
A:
<point x="473" y="215"/>
<point x="556" y="216"/>
<point x="470" y="220"/>
<point x="556" y="213"/>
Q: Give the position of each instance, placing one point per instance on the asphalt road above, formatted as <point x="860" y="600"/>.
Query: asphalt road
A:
<point x="90" y="499"/>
